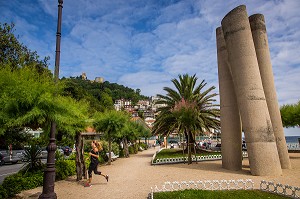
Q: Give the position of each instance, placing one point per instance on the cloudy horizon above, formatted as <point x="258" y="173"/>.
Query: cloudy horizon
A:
<point x="146" y="43"/>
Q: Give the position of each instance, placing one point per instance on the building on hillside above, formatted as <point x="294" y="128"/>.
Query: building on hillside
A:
<point x="155" y="106"/>
<point x="149" y="121"/>
<point x="83" y="76"/>
<point x="149" y="113"/>
<point x="143" y="104"/>
<point x="99" y="79"/>
<point x="123" y="104"/>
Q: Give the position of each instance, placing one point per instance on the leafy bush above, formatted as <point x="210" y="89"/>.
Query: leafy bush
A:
<point x="114" y="147"/>
<point x="3" y="192"/>
<point x="32" y="158"/>
<point x="72" y="156"/>
<point x="24" y="180"/>
<point x="143" y="145"/>
<point x="59" y="155"/>
<point x="64" y="168"/>
<point x="136" y="148"/>
<point x="18" y="182"/>
<point x="131" y="150"/>
<point x="121" y="154"/>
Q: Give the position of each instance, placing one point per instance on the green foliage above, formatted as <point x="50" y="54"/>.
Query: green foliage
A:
<point x="59" y="155"/>
<point x="32" y="158"/>
<point x="25" y="97"/>
<point x="72" y="156"/>
<point x="131" y="149"/>
<point x="16" y="55"/>
<point x="111" y="123"/>
<point x="143" y="145"/>
<point x="3" y="192"/>
<point x="101" y="96"/>
<point x="64" y="168"/>
<point x="234" y="194"/>
<point x="28" y="100"/>
<point x="114" y="147"/>
<point x="290" y="115"/>
<point x="18" y="182"/>
<point x="121" y="153"/>
<point x="17" y="137"/>
<point x="188" y="109"/>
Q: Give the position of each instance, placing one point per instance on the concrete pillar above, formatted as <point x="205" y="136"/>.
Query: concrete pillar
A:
<point x="260" y="39"/>
<point x="231" y="131"/>
<point x="259" y="136"/>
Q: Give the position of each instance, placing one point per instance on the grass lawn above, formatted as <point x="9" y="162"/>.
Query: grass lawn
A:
<point x="176" y="153"/>
<point x="233" y="194"/>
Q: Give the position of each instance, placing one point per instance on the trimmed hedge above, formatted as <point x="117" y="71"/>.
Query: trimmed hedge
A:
<point x="64" y="168"/>
<point x="21" y="181"/>
<point x="16" y="183"/>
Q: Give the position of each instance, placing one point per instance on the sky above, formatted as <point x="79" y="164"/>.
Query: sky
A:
<point x="146" y="43"/>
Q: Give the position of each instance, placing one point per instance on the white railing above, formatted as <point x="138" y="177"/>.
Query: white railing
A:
<point x="185" y="159"/>
<point x="248" y="184"/>
<point x="280" y="189"/>
<point x="293" y="146"/>
<point x="240" y="184"/>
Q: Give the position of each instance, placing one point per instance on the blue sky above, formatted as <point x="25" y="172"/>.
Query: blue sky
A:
<point x="145" y="43"/>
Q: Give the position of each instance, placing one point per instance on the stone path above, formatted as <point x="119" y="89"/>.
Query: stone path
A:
<point x="133" y="177"/>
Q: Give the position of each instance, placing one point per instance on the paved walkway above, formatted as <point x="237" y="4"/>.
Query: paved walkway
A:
<point x="133" y="177"/>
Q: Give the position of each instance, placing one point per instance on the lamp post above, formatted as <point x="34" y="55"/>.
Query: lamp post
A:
<point x="49" y="173"/>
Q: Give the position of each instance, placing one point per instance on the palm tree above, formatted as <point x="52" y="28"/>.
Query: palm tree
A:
<point x="111" y="123"/>
<point x="187" y="109"/>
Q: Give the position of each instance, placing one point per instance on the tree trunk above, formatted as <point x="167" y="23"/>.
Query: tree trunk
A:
<point x="189" y="148"/>
<point x="84" y="170"/>
<point x="126" y="151"/>
<point x="109" y="150"/>
<point x="80" y="165"/>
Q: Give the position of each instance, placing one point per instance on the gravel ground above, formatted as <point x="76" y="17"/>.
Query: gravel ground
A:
<point x="133" y="177"/>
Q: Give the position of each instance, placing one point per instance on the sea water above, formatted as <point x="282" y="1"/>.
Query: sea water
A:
<point x="292" y="139"/>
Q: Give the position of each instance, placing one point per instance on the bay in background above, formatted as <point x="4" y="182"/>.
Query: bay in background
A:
<point x="292" y="139"/>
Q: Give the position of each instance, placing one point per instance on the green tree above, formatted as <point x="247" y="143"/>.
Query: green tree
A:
<point x="27" y="100"/>
<point x="128" y="133"/>
<point x="17" y="55"/>
<point x="188" y="110"/>
<point x="290" y="115"/>
<point x="111" y="123"/>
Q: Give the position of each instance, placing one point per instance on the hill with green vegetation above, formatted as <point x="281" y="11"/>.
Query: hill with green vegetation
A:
<point x="101" y="96"/>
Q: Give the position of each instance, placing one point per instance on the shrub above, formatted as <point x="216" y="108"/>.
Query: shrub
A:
<point x="18" y="182"/>
<point x="143" y="145"/>
<point x="121" y="153"/>
<point x="131" y="150"/>
<point x="136" y="148"/>
<point x="64" y="168"/>
<point x="114" y="147"/>
<point x="32" y="157"/>
<point x="59" y="155"/>
<point x="72" y="156"/>
<point x="24" y="180"/>
<point x="3" y="192"/>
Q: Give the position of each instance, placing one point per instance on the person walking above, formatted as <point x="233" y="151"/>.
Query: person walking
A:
<point x="94" y="155"/>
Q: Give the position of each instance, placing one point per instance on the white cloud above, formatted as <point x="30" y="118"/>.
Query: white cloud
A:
<point x="145" y="43"/>
<point x="150" y="82"/>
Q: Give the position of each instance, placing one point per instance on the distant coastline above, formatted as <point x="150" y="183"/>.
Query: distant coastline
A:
<point x="292" y="139"/>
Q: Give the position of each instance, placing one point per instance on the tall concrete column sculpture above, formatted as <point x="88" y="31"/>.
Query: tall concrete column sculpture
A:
<point x="260" y="39"/>
<point x="261" y="145"/>
<point x="230" y="118"/>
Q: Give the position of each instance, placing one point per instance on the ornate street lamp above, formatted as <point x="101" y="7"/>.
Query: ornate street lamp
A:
<point x="49" y="173"/>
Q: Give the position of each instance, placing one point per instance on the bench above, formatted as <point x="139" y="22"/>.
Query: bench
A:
<point x="113" y="156"/>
